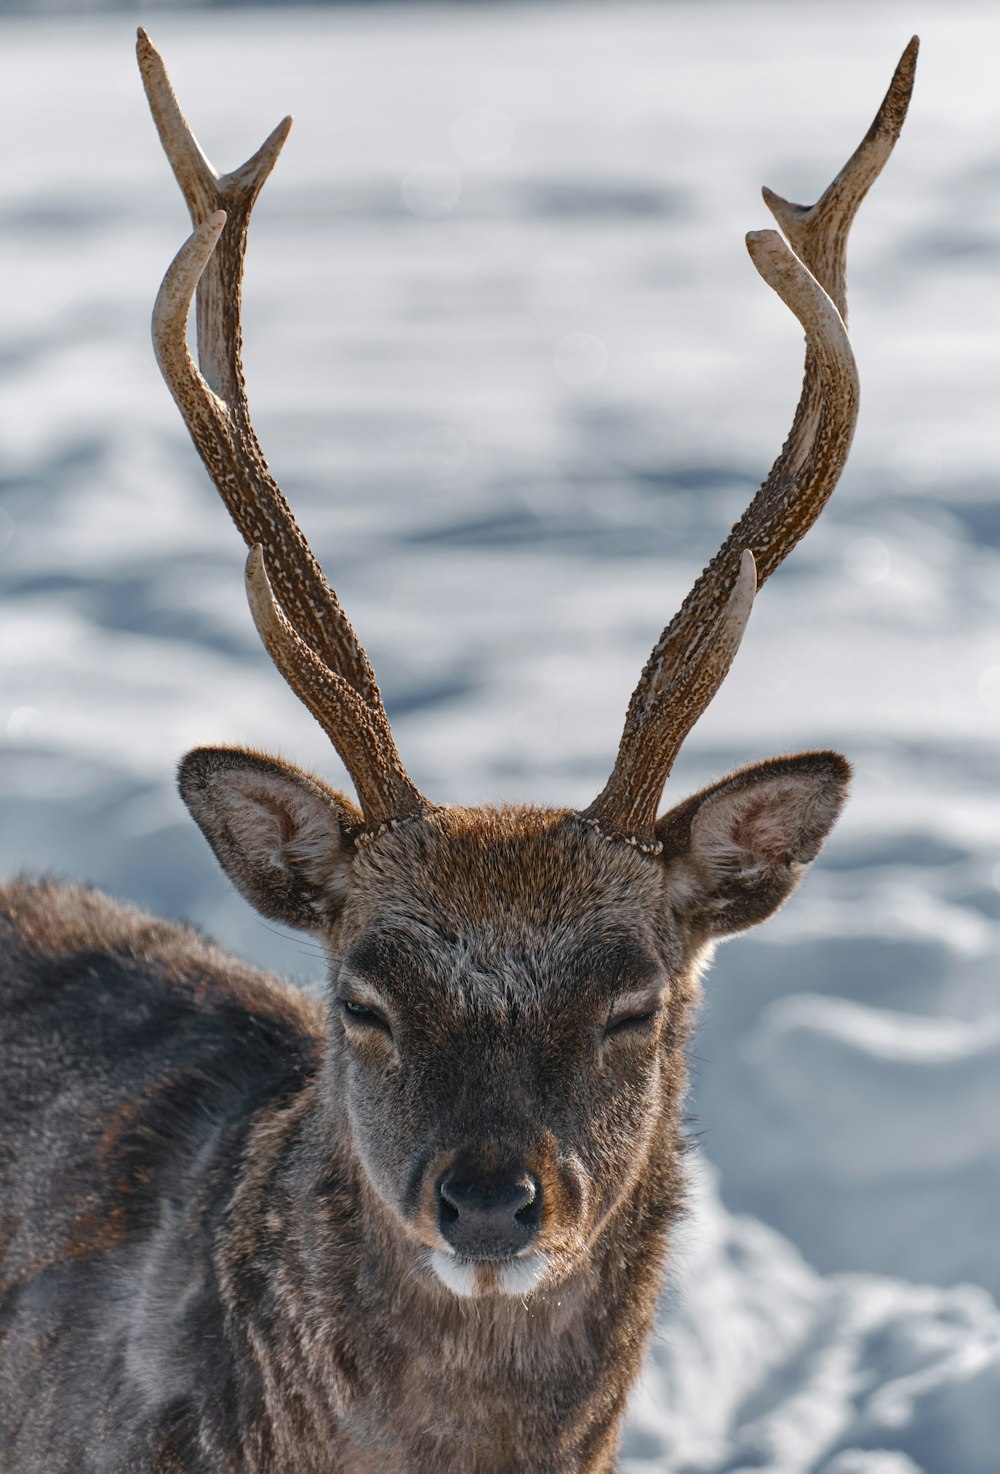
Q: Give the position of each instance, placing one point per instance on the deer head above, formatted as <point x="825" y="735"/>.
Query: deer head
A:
<point x="509" y="986"/>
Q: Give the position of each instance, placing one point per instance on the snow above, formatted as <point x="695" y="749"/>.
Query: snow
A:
<point x="510" y="362"/>
<point x="761" y="1363"/>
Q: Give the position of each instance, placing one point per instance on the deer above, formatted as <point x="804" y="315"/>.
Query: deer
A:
<point x="419" y="1223"/>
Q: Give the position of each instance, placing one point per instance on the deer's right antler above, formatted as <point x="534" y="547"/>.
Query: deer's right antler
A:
<point x="297" y="614"/>
<point x="693" y="654"/>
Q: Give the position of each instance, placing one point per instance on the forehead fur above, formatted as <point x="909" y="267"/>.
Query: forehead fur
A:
<point x="499" y="880"/>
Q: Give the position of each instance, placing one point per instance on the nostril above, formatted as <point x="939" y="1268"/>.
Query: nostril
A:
<point x="529" y="1201"/>
<point x="529" y="1214"/>
<point x="447" y="1212"/>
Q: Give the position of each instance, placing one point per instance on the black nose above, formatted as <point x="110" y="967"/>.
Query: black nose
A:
<point x="489" y="1217"/>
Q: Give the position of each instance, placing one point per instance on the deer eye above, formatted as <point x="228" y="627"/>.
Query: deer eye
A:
<point x="366" y="1017"/>
<point x="632" y="1023"/>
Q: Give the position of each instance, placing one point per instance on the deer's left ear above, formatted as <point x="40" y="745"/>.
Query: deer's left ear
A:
<point x="736" y="851"/>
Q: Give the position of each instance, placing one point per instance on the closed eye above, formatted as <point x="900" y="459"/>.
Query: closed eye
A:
<point x="363" y="1016"/>
<point x="632" y="1023"/>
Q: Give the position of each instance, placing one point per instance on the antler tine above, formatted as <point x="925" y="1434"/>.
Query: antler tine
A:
<point x="360" y="735"/>
<point x="212" y="400"/>
<point x="205" y="191"/>
<point x="358" y="728"/>
<point x="224" y="436"/>
<point x="684" y="671"/>
<point x="627" y="806"/>
<point x="818" y="233"/>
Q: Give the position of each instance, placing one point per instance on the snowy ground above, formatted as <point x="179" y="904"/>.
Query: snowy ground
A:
<point x="511" y="363"/>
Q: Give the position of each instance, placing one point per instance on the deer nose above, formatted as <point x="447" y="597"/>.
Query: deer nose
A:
<point x="489" y="1218"/>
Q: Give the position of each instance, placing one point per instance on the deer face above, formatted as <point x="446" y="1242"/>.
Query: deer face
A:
<point x="509" y="989"/>
<point x="504" y="996"/>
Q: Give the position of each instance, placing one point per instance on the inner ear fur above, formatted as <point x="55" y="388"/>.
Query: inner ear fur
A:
<point x="737" y="850"/>
<point x="281" y="835"/>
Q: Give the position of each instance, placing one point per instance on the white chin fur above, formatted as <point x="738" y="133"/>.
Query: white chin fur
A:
<point x="459" y="1278"/>
<point x="517" y="1277"/>
<point x="521" y="1276"/>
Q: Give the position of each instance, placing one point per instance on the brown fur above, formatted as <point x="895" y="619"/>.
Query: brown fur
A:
<point x="523" y="902"/>
<point x="222" y="1245"/>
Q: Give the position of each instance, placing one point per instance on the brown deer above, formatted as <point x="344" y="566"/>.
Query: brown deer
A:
<point x="418" y="1226"/>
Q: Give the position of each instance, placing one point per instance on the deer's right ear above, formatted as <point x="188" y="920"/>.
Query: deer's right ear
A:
<point x="737" y="850"/>
<point x="282" y="837"/>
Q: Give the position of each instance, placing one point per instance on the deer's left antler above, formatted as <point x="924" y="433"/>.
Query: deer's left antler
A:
<point x="692" y="656"/>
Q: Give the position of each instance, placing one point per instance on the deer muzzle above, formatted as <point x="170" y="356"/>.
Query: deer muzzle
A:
<point x="488" y="1216"/>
